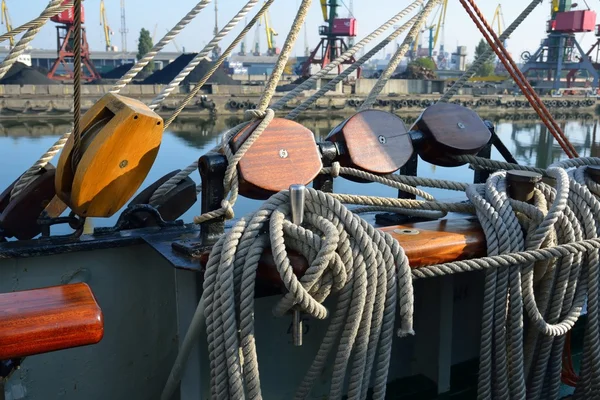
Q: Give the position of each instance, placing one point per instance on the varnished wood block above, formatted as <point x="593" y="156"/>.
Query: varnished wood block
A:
<point x="425" y="243"/>
<point x="43" y="320"/>
<point x="448" y="130"/>
<point x="19" y="217"/>
<point x="374" y="141"/>
<point x="119" y="143"/>
<point x="171" y="206"/>
<point x="285" y="154"/>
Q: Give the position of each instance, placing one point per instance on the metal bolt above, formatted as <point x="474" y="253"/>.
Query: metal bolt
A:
<point x="283" y="153"/>
<point x="382" y="139"/>
<point x="123" y="164"/>
<point x="461" y="125"/>
<point x="406" y="231"/>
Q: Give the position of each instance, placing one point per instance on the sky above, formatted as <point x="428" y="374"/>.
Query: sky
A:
<point x="158" y="16"/>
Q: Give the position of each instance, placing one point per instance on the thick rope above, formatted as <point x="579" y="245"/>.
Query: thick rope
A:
<point x="49" y="12"/>
<point x="167" y="90"/>
<point x="488" y="54"/>
<point x="21" y="46"/>
<point x="139" y="66"/>
<point x="174" y="181"/>
<point x="331" y="84"/>
<point x="307" y="84"/>
<point x="398" y="55"/>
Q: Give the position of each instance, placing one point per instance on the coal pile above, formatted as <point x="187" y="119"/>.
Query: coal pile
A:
<point x="118" y="72"/>
<point x="21" y="74"/>
<point x="167" y="74"/>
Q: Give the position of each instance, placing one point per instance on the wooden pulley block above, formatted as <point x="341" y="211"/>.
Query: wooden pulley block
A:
<point x="373" y="141"/>
<point x="19" y="217"/>
<point x="446" y="130"/>
<point x="171" y="206"/>
<point x="119" y="142"/>
<point x="285" y="154"/>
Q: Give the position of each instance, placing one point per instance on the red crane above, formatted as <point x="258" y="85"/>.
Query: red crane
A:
<point x="65" y="39"/>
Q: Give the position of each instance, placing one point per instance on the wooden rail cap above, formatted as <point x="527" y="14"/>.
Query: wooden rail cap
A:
<point x="286" y="153"/>
<point x="449" y="130"/>
<point x="43" y="320"/>
<point x="425" y="243"/>
<point x="119" y="142"/>
<point x="374" y="141"/>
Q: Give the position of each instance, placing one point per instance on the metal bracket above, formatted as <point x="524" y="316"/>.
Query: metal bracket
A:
<point x="73" y="220"/>
<point x="124" y="222"/>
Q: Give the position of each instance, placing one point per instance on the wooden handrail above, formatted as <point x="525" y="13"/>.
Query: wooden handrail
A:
<point x="425" y="243"/>
<point x="43" y="320"/>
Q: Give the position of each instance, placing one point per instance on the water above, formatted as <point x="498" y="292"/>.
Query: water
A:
<point x="22" y="142"/>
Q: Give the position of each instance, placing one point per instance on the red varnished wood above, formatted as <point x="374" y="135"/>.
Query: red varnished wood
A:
<point x="437" y="242"/>
<point x="374" y="141"/>
<point x="43" y="320"/>
<point x="448" y="130"/>
<point x="19" y="217"/>
<point x="285" y="154"/>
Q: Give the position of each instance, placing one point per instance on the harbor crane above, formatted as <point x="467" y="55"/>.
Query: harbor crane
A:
<point x="332" y="43"/>
<point x="107" y="31"/>
<point x="7" y="23"/>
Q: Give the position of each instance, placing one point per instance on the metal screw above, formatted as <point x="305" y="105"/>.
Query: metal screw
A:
<point x="123" y="164"/>
<point x="382" y="139"/>
<point x="283" y="153"/>
<point x="461" y="125"/>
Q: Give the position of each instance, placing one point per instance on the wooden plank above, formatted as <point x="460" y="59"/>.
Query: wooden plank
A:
<point x="43" y="320"/>
<point x="436" y="242"/>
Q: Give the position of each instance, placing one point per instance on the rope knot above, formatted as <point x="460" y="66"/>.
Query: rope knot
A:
<point x="335" y="169"/>
<point x="226" y="206"/>
<point x="254" y="114"/>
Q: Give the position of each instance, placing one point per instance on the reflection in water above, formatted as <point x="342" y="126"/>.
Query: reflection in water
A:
<point x="22" y="142"/>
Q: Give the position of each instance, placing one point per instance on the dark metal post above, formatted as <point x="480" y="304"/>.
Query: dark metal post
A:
<point x="521" y="184"/>
<point x="212" y="168"/>
<point x="329" y="152"/>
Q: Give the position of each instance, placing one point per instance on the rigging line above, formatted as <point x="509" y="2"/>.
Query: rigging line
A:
<point x="219" y="61"/>
<point x="201" y="56"/>
<point x="308" y="102"/>
<point x="77" y="87"/>
<point x="488" y="54"/>
<point x="48" y="13"/>
<point x="519" y="78"/>
<point x="345" y="56"/>
<point x="174" y="181"/>
<point x="398" y="56"/>
<point x="24" y="42"/>
<point x="25" y="179"/>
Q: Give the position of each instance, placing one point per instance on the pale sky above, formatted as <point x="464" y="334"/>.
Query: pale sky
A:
<point x="162" y="15"/>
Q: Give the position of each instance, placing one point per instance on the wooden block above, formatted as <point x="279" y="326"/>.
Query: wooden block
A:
<point x="171" y="206"/>
<point x="43" y="320"/>
<point x="119" y="143"/>
<point x="285" y="154"/>
<point x="19" y="218"/>
<point x="373" y="141"/>
<point x="448" y="130"/>
<point x="5" y="195"/>
<point x="425" y="243"/>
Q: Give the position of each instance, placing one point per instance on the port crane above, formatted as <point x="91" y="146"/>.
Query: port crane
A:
<point x="433" y="37"/>
<point x="107" y="31"/>
<point x="6" y="22"/>
<point x="332" y="43"/>
<point x="272" y="50"/>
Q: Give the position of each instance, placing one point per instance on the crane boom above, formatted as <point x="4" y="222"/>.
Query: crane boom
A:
<point x="6" y="21"/>
<point x="440" y="23"/>
<point x="324" y="10"/>
<point x="106" y="27"/>
<point x="498" y="19"/>
<point x="270" y="35"/>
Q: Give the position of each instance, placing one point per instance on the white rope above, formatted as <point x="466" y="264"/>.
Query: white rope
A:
<point x="49" y="12"/>
<point x="398" y="55"/>
<point x="22" y="44"/>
